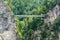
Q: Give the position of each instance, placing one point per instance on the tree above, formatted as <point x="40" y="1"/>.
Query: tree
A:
<point x="20" y="7"/>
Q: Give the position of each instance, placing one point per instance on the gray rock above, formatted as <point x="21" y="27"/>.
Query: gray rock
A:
<point x="7" y="23"/>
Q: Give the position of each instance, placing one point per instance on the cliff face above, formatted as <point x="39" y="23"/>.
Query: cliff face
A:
<point x="53" y="14"/>
<point x="7" y="23"/>
<point x="49" y="19"/>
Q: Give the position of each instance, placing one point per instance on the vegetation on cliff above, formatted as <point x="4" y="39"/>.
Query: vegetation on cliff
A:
<point x="26" y="27"/>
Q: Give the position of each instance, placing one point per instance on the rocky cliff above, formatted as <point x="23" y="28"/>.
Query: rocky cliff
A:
<point x="49" y="19"/>
<point x="52" y="15"/>
<point x="7" y="23"/>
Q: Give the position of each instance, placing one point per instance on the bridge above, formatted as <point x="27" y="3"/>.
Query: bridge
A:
<point x="7" y="26"/>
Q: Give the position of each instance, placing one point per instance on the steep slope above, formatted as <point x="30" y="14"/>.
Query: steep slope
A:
<point x="7" y="23"/>
<point x="52" y="16"/>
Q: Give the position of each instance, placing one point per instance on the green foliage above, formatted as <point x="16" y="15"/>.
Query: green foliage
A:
<point x="56" y="24"/>
<point x="20" y="7"/>
<point x="0" y="38"/>
<point x="20" y="27"/>
<point x="33" y="24"/>
<point x="27" y="26"/>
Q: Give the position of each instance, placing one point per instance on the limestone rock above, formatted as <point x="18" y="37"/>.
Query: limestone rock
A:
<point x="7" y="23"/>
